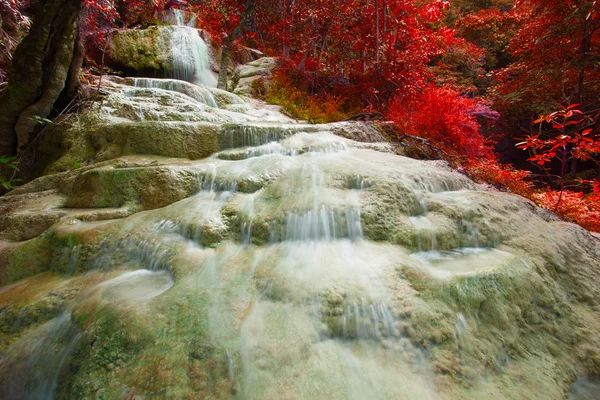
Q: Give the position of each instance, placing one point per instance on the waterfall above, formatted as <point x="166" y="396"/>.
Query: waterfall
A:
<point x="49" y="348"/>
<point x="191" y="58"/>
<point x="281" y="260"/>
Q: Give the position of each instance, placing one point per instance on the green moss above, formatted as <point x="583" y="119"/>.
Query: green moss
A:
<point x="13" y="320"/>
<point x="123" y="349"/>
<point x="141" y="50"/>
<point x="112" y="339"/>
<point x="31" y="258"/>
<point x="514" y="311"/>
<point x="65" y="254"/>
<point x="137" y="188"/>
<point x="193" y="141"/>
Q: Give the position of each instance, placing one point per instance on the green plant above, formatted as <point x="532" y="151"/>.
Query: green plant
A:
<point x="41" y="120"/>
<point x="9" y="182"/>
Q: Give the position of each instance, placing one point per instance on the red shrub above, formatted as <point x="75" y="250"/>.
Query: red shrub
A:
<point x="575" y="206"/>
<point x="445" y="118"/>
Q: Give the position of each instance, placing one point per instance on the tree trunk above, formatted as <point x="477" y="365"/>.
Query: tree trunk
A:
<point x="38" y="74"/>
<point x="222" y="83"/>
<point x="73" y="82"/>
<point x="228" y="41"/>
<point x="302" y="64"/>
<point x="590" y="27"/>
<point x="583" y="49"/>
<point x="377" y="33"/>
<point x="289" y="8"/>
<point x="384" y="18"/>
<point x="363" y="60"/>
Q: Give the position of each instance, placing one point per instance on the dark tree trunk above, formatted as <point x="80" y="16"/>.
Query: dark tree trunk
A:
<point x="228" y="41"/>
<point x="222" y="83"/>
<point x="377" y="33"/>
<point x="288" y="13"/>
<point x="384" y="18"/>
<point x="590" y="27"/>
<point x="302" y="63"/>
<point x="363" y="58"/>
<point x="73" y="82"/>
<point x="39" y="72"/>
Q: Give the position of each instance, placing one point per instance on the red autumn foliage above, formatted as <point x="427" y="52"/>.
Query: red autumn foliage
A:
<point x="219" y="18"/>
<point x="575" y="206"/>
<point x="554" y="52"/>
<point x="445" y="118"/>
<point x="492" y="30"/>
<point x="489" y="170"/>
<point x="573" y="136"/>
<point x="422" y="64"/>
<point x="101" y="16"/>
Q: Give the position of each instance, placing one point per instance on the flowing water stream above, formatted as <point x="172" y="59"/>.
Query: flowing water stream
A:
<point x="302" y="265"/>
<point x="307" y="312"/>
<point x="191" y="58"/>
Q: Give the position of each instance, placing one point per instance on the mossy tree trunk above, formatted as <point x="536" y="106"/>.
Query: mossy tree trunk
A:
<point x="222" y="83"/>
<point x="39" y="72"/>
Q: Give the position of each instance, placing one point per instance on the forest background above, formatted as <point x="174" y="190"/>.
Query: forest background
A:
<point x="507" y="91"/>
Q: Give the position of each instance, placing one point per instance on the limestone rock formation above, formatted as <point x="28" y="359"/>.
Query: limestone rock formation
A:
<point x="205" y="248"/>
<point x="139" y="51"/>
<point x="253" y="76"/>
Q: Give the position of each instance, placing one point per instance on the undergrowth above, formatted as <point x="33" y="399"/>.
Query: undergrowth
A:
<point x="311" y="97"/>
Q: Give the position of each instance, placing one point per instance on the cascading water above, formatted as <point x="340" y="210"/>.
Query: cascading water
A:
<point x="284" y="262"/>
<point x="191" y="57"/>
<point x="35" y="376"/>
<point x="202" y="95"/>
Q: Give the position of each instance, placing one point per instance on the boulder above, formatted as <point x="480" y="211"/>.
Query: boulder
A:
<point x="252" y="78"/>
<point x="141" y="51"/>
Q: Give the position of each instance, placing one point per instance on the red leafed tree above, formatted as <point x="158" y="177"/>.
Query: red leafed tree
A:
<point x="573" y="136"/>
<point x="219" y="18"/>
<point x="101" y="16"/>
<point x="446" y="119"/>
<point x="388" y="43"/>
<point x="555" y="53"/>
<point x="492" y="30"/>
<point x="227" y="21"/>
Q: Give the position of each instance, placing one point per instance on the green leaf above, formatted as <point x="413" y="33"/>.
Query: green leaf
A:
<point x="41" y="120"/>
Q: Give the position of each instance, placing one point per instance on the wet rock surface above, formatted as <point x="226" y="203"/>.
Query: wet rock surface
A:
<point x="207" y="248"/>
<point x="253" y="76"/>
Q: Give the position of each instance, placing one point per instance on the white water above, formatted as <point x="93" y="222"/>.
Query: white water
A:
<point x="48" y="349"/>
<point x="200" y="94"/>
<point x="462" y="261"/>
<point x="585" y="388"/>
<point x="275" y="246"/>
<point x="191" y="57"/>
<point x="137" y="286"/>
